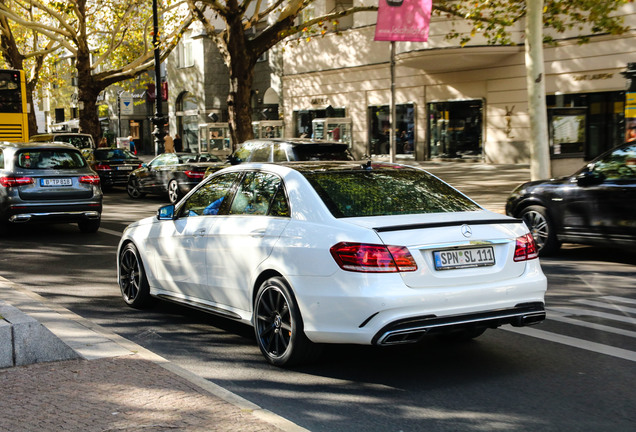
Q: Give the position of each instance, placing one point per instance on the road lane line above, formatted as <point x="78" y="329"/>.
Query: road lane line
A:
<point x="619" y="299"/>
<point x="574" y="342"/>
<point x="555" y="316"/>
<point x="111" y="232"/>
<point x="605" y="305"/>
<point x="584" y="312"/>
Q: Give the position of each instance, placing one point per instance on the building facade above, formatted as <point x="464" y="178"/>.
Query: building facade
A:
<point x="455" y="102"/>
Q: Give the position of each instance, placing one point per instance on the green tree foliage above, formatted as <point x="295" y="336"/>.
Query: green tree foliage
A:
<point x="494" y="18"/>
<point x="109" y="40"/>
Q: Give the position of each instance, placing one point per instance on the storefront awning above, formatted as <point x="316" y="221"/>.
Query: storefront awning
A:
<point x="455" y="59"/>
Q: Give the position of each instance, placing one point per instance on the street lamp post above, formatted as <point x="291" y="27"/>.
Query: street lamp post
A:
<point x="158" y="120"/>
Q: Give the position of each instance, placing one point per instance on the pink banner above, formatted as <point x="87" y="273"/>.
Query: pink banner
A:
<point x="403" y="20"/>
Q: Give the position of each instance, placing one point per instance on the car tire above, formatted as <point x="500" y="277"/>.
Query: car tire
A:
<point x="132" y="279"/>
<point x="279" y="327"/>
<point x="542" y="229"/>
<point x="174" y="193"/>
<point x="89" y="225"/>
<point x="134" y="189"/>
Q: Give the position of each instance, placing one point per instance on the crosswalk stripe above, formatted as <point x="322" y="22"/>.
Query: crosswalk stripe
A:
<point x="619" y="299"/>
<point x="605" y="305"/>
<point x="555" y="316"/>
<point x="585" y="312"/>
<point x="574" y="342"/>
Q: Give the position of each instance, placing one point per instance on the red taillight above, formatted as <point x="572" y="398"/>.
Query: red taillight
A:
<point x="372" y="258"/>
<point x="194" y="174"/>
<point x="90" y="179"/>
<point x="102" y="167"/>
<point x="15" y="181"/>
<point x="526" y="248"/>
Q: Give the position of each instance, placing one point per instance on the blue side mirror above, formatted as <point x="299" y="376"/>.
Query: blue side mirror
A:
<point x="166" y="212"/>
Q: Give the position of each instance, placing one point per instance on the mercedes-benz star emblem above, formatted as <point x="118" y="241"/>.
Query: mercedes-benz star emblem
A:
<point x="466" y="231"/>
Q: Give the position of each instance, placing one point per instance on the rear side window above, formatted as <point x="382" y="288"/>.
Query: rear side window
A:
<point x="256" y="193"/>
<point x="386" y="192"/>
<point x="50" y="159"/>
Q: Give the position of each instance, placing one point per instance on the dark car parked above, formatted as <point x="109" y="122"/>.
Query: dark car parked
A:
<point x="112" y="164"/>
<point x="171" y="173"/>
<point x="79" y="140"/>
<point x="596" y="205"/>
<point x="290" y="149"/>
<point x="47" y="182"/>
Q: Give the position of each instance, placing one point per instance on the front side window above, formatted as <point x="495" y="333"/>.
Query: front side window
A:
<point x="377" y="192"/>
<point x="208" y="199"/>
<point x="50" y="159"/>
<point x="256" y="194"/>
<point x="618" y="165"/>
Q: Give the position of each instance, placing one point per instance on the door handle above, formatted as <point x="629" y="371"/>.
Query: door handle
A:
<point x="258" y="233"/>
<point x="200" y="232"/>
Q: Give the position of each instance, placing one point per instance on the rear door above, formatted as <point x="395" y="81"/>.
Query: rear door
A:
<point x="243" y="238"/>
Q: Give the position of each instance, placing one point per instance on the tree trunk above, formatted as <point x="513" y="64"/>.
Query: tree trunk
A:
<point x="241" y="64"/>
<point x="535" y="79"/>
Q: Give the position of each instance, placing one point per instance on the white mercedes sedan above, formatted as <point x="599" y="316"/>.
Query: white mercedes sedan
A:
<point x="310" y="253"/>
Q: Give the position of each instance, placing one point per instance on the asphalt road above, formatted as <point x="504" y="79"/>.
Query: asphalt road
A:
<point x="576" y="371"/>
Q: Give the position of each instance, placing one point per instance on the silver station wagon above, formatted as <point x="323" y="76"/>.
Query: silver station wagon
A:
<point x="49" y="183"/>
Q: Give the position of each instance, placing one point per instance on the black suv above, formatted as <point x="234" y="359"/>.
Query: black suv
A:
<point x="290" y="149"/>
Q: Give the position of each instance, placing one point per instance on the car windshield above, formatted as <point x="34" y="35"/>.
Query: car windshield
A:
<point x="109" y="154"/>
<point x="50" y="159"/>
<point x="317" y="152"/>
<point x="377" y="192"/>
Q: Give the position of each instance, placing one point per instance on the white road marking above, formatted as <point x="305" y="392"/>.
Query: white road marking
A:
<point x="555" y="316"/>
<point x="111" y="232"/>
<point x="585" y="312"/>
<point x="619" y="308"/>
<point x="574" y="342"/>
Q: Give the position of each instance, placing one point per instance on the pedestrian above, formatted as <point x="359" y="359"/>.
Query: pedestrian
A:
<point x="178" y="143"/>
<point x="133" y="148"/>
<point x="102" y="143"/>
<point x="168" y="144"/>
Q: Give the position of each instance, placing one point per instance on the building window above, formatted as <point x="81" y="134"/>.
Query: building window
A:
<point x="135" y="129"/>
<point x="455" y="129"/>
<point x="379" y="128"/>
<point x="585" y="124"/>
<point x="303" y="119"/>
<point x="186" y="59"/>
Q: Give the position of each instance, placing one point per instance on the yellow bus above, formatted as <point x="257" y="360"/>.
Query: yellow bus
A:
<point x="14" y="124"/>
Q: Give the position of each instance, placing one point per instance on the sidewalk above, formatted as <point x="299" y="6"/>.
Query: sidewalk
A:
<point x="116" y="385"/>
<point x="113" y="385"/>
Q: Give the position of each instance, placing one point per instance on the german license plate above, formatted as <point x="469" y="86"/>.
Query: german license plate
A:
<point x="463" y="258"/>
<point x="124" y="168"/>
<point x="51" y="182"/>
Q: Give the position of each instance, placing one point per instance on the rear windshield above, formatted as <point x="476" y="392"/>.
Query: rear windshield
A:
<point x="110" y="154"/>
<point x="50" y="159"/>
<point x="386" y="192"/>
<point x="317" y="152"/>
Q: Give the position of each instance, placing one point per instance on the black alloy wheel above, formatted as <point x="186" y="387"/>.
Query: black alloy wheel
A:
<point x="133" y="282"/>
<point x="278" y="325"/>
<point x="134" y="189"/>
<point x="542" y="229"/>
